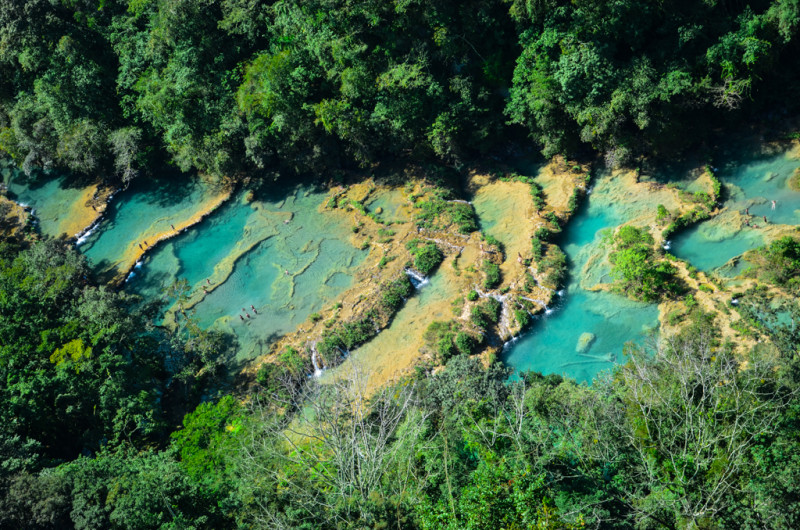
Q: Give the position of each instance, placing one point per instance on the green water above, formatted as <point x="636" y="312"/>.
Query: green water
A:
<point x="313" y="247"/>
<point x="148" y="206"/>
<point x="49" y="193"/>
<point x="549" y="345"/>
<point x="752" y="184"/>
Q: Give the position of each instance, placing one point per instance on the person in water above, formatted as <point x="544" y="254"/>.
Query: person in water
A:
<point x="773" y="204"/>
<point x="765" y="219"/>
<point x="208" y="281"/>
<point x="241" y="317"/>
<point x="747" y="211"/>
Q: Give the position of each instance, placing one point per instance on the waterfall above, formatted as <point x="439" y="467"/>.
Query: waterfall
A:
<point x="318" y="368"/>
<point x="416" y="278"/>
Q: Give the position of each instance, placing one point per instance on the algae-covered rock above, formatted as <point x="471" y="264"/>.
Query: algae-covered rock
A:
<point x="585" y="342"/>
<point x="794" y="180"/>
<point x="379" y="210"/>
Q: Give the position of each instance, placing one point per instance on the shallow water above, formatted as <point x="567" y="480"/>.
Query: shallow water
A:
<point x="146" y="209"/>
<point x="549" y="345"/>
<point x="245" y="250"/>
<point x="53" y="197"/>
<point x="396" y="348"/>
<point x="749" y="184"/>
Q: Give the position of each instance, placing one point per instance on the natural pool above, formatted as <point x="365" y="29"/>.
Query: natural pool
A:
<point x="143" y="214"/>
<point x="550" y="345"/>
<point x="750" y="183"/>
<point x="58" y="200"/>
<point x="277" y="252"/>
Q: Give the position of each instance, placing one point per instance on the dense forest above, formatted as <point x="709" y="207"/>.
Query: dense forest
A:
<point x="244" y="86"/>
<point x="108" y="421"/>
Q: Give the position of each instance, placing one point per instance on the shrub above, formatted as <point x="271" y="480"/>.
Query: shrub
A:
<point x="635" y="268"/>
<point x="523" y="317"/>
<point x="472" y="295"/>
<point x="395" y="292"/>
<point x="465" y="343"/>
<point x="537" y="248"/>
<point x="492" y="272"/>
<point x="661" y="213"/>
<point x="427" y="255"/>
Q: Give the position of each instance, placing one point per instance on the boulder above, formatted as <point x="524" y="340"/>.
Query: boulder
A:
<point x="585" y="342"/>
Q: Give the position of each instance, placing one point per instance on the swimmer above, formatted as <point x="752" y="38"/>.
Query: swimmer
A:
<point x="208" y="281"/>
<point x="145" y="244"/>
<point x="204" y="290"/>
<point x="241" y="317"/>
<point x="244" y="310"/>
<point x="172" y="225"/>
<point x="773" y="204"/>
<point x="286" y="221"/>
<point x="765" y="219"/>
<point x="287" y="272"/>
<point x="248" y="315"/>
<point x="140" y="246"/>
<point x="747" y="211"/>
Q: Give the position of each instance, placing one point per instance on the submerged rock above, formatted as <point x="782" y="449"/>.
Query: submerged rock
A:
<point x="585" y="342"/>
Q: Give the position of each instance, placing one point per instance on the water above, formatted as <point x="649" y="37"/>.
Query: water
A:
<point x="143" y="213"/>
<point x="58" y="199"/>
<point x="549" y="346"/>
<point x="245" y="250"/>
<point x="749" y="183"/>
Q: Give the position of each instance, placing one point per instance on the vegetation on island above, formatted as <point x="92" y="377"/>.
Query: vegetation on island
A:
<point x="639" y="273"/>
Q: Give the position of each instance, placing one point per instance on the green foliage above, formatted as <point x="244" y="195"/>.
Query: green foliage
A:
<point x="554" y="265"/>
<point x="395" y="293"/>
<point x="472" y="295"/>
<point x="583" y="77"/>
<point x="492" y="276"/>
<point x="439" y="337"/>
<point x="427" y="255"/>
<point x="779" y="263"/>
<point x="207" y="438"/>
<point x="662" y="213"/>
<point x="639" y="273"/>
<point x="89" y="356"/>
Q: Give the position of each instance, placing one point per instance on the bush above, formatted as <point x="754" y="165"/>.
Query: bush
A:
<point x="523" y="317"/>
<point x="427" y="255"/>
<point x="395" y="292"/>
<point x="537" y="248"/>
<point x="555" y="266"/>
<point x="472" y="295"/>
<point x="465" y="343"/>
<point x="492" y="272"/>
<point x="637" y="272"/>
<point x="439" y="337"/>
<point x="661" y="213"/>
<point x="463" y="215"/>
